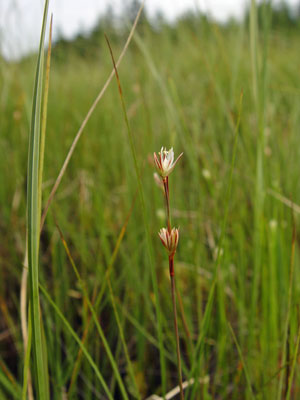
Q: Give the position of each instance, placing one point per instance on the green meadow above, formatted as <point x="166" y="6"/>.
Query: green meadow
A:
<point x="97" y="315"/>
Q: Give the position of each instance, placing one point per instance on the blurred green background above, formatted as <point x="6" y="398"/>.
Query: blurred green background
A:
<point x="182" y="85"/>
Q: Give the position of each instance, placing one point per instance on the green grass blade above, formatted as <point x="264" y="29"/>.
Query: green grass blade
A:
<point x="12" y="389"/>
<point x="99" y="328"/>
<point x="208" y="308"/>
<point x="86" y="119"/>
<point x="147" y="230"/>
<point x="291" y="377"/>
<point x="33" y="219"/>
<point x="242" y="361"/>
<point x="258" y="201"/>
<point x="122" y="337"/>
<point x="77" y="339"/>
<point x="27" y="359"/>
<point x="285" y="343"/>
<point x="44" y="114"/>
<point x="102" y="290"/>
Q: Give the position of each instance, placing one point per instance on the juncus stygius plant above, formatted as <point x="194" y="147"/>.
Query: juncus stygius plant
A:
<point x="165" y="161"/>
<point x="169" y="236"/>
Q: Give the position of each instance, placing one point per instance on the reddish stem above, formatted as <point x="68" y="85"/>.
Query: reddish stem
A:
<point x="172" y="273"/>
<point x="167" y="197"/>
<point x="171" y="267"/>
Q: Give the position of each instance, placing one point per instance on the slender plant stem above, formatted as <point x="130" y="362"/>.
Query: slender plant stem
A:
<point x="291" y="375"/>
<point x="147" y="230"/>
<point x="122" y="337"/>
<point x="190" y="345"/>
<point x="167" y="197"/>
<point x="172" y="277"/>
<point x="288" y="314"/>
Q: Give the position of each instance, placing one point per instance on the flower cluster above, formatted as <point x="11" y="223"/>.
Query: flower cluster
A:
<point x="169" y="236"/>
<point x="165" y="161"/>
<point x="165" y="164"/>
<point x="169" y="239"/>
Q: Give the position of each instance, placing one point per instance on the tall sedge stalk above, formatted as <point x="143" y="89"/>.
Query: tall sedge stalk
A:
<point x="169" y="237"/>
<point x="33" y="224"/>
<point x="148" y="238"/>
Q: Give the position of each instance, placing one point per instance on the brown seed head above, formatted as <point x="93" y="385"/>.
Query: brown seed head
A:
<point x="169" y="239"/>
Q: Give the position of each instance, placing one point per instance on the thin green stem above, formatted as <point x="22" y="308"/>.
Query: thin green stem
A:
<point x="79" y="342"/>
<point x="288" y="314"/>
<point x="291" y="376"/>
<point x="122" y="337"/>
<point x="243" y="361"/>
<point x="211" y="295"/>
<point x="94" y="315"/>
<point x="147" y="231"/>
<point x="173" y="291"/>
<point x="172" y="277"/>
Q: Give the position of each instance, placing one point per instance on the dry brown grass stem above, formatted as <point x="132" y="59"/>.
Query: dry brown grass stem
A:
<point x="87" y="117"/>
<point x="175" y="391"/>
<point x="284" y="200"/>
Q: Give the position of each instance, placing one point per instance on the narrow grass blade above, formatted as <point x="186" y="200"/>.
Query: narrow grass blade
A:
<point x="99" y="328"/>
<point x="101" y="292"/>
<point x="122" y="336"/>
<point x="288" y="314"/>
<point x="284" y="200"/>
<point x="33" y="219"/>
<point x="44" y="113"/>
<point x="199" y="345"/>
<point x="291" y="377"/>
<point x="81" y="345"/>
<point x="26" y="371"/>
<point x="242" y="361"/>
<point x="208" y="308"/>
<point x="258" y="201"/>
<point x="11" y="388"/>
<point x="26" y="336"/>
<point x="147" y="231"/>
<point x="259" y="84"/>
<point x="86" y="119"/>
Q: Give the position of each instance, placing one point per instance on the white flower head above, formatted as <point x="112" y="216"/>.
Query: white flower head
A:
<point x="169" y="239"/>
<point x="165" y="161"/>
